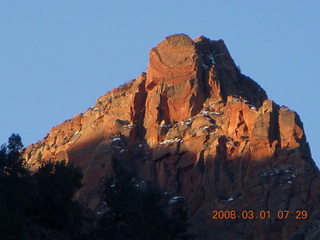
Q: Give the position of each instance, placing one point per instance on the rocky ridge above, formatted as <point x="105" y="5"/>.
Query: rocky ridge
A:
<point x="198" y="127"/>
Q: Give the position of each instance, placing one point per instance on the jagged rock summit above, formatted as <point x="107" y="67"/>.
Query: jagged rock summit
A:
<point x="197" y="127"/>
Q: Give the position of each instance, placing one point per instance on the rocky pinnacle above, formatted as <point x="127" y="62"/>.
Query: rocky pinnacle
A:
<point x="197" y="127"/>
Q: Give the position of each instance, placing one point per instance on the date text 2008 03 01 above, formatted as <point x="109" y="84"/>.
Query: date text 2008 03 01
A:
<point x="249" y="214"/>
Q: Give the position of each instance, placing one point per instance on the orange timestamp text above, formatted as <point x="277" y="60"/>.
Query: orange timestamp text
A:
<point x="250" y="214"/>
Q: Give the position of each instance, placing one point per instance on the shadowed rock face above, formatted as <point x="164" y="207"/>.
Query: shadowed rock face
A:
<point x="197" y="127"/>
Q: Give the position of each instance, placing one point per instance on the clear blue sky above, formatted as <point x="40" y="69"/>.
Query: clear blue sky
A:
<point x="57" y="57"/>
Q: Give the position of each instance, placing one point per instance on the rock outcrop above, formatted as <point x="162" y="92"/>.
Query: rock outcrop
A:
<point x="198" y="127"/>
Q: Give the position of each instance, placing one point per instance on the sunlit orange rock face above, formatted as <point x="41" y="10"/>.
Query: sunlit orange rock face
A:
<point x="197" y="127"/>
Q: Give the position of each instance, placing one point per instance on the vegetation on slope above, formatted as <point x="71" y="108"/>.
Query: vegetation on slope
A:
<point x="41" y="205"/>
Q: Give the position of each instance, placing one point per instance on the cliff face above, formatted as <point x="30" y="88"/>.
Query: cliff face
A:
<point x="197" y="127"/>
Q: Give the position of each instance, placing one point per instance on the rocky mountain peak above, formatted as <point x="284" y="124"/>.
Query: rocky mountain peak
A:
<point x="184" y="74"/>
<point x="172" y="61"/>
<point x="197" y="127"/>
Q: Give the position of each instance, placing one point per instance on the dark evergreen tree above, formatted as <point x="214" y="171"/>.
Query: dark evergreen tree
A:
<point x="53" y="204"/>
<point x="11" y="162"/>
<point x="137" y="211"/>
<point x="13" y="178"/>
<point x="32" y="206"/>
<point x="41" y="205"/>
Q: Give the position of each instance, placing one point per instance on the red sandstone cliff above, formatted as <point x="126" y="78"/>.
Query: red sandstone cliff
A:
<point x="197" y="127"/>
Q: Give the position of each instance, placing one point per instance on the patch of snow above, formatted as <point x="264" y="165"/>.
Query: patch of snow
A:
<point x="139" y="184"/>
<point x="264" y="174"/>
<point x="115" y="139"/>
<point x="212" y="59"/>
<point x="164" y="126"/>
<point x="188" y="122"/>
<point x="129" y="126"/>
<point x="96" y="109"/>
<point x="217" y="113"/>
<point x="231" y="143"/>
<point x="205" y="112"/>
<point x="214" y="132"/>
<point x="74" y="134"/>
<point x="293" y="175"/>
<point x="290" y="182"/>
<point x="276" y="171"/>
<point x="181" y="123"/>
<point x="273" y="172"/>
<point x="175" y="199"/>
<point x="171" y="141"/>
<point x="204" y="66"/>
<point x="287" y="171"/>
<point x="228" y="200"/>
<point x="218" y="55"/>
<point x="122" y="151"/>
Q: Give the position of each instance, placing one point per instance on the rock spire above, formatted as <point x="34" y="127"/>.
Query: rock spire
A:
<point x="197" y="127"/>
